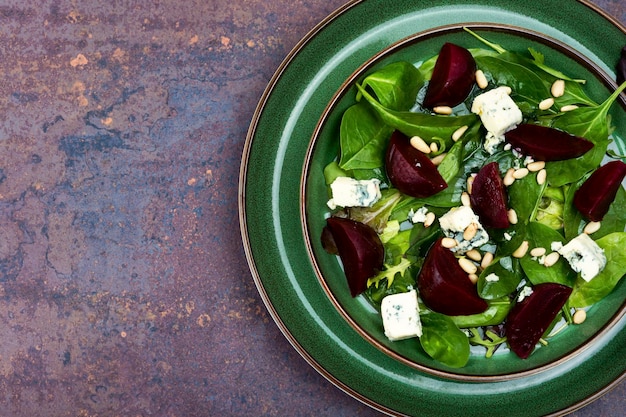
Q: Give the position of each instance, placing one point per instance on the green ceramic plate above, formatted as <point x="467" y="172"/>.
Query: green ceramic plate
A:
<point x="291" y="139"/>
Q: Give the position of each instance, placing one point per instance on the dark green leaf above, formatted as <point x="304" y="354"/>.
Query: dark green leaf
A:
<point x="509" y="275"/>
<point x="587" y="293"/>
<point x="395" y="85"/>
<point x="363" y="138"/>
<point x="542" y="236"/>
<point x="443" y="340"/>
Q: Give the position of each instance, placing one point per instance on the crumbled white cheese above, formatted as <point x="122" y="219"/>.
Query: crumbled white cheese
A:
<point x="507" y="236"/>
<point x="418" y="216"/>
<point x="349" y="192"/>
<point x="525" y="292"/>
<point x="492" y="278"/>
<point x="584" y="256"/>
<point x="400" y="313"/>
<point x="498" y="113"/>
<point x="454" y="223"/>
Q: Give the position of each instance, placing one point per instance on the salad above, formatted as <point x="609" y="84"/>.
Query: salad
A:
<point x="475" y="200"/>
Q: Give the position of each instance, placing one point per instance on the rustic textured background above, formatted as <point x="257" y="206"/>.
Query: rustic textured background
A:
<point x="124" y="289"/>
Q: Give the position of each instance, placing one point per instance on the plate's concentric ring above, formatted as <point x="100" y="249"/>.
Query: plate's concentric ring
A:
<point x="269" y="211"/>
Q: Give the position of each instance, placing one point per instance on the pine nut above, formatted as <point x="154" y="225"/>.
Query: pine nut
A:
<point x="508" y="177"/>
<point x="474" y="255"/>
<point x="551" y="259"/>
<point x="520" y="173"/>
<point x="419" y="144"/>
<point x="541" y="176"/>
<point x="470" y="182"/>
<point x="481" y="79"/>
<point x="430" y="218"/>
<point x="470" y="231"/>
<point x="521" y="250"/>
<point x="537" y="252"/>
<point x="546" y="104"/>
<point x="506" y="89"/>
<point x="468" y="266"/>
<point x="512" y="216"/>
<point x="579" y="316"/>
<point x="438" y="159"/>
<point x="434" y="147"/>
<point x="558" y="88"/>
<point x="487" y="259"/>
<point x="569" y="107"/>
<point x="473" y="278"/>
<point x="465" y="199"/>
<point x="442" y="110"/>
<point x="536" y="166"/>
<point x="592" y="227"/>
<point x="448" y="242"/>
<point x="459" y="132"/>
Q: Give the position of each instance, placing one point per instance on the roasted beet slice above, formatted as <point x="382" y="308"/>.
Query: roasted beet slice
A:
<point x="410" y="170"/>
<point x="488" y="197"/>
<point x="453" y="77"/>
<point x="445" y="287"/>
<point x="545" y="143"/>
<point x="529" y="319"/>
<point x="593" y="199"/>
<point x="360" y="250"/>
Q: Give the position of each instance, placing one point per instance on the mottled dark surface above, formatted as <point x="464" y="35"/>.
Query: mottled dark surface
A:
<point x="124" y="289"/>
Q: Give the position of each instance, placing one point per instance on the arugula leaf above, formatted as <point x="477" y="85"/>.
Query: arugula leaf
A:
<point x="395" y="85"/>
<point x="389" y="273"/>
<point x="443" y="341"/>
<point x="363" y="138"/>
<point x="590" y="123"/>
<point x="587" y="293"/>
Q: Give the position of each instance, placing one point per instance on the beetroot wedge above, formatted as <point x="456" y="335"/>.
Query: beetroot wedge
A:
<point x="529" y="319"/>
<point x="410" y="170"/>
<point x="360" y="250"/>
<point x="444" y="287"/>
<point x="453" y="77"/>
<point x="488" y="197"/>
<point x="546" y="143"/>
<point x="593" y="199"/>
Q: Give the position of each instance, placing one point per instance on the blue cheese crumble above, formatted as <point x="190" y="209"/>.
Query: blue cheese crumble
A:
<point x="454" y="225"/>
<point x="583" y="254"/>
<point x="498" y="113"/>
<point x="400" y="313"/>
<point x="349" y="192"/>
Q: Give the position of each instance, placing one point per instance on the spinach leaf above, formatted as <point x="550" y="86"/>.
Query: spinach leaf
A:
<point x="542" y="236"/>
<point x="363" y="138"/>
<point x="431" y="128"/>
<point x="592" y="124"/>
<point x="587" y="293"/>
<point x="509" y="275"/>
<point x="395" y="85"/>
<point x="527" y="86"/>
<point x="495" y="314"/>
<point x="443" y="340"/>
